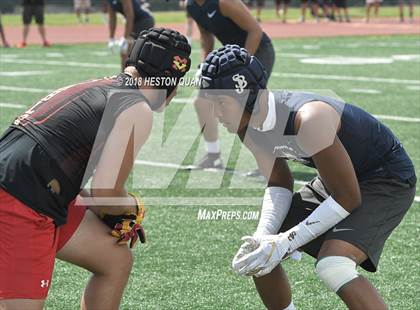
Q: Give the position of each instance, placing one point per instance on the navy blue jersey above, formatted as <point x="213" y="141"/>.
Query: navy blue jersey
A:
<point x="139" y="12"/>
<point x="373" y="148"/>
<point x="209" y="17"/>
<point x="50" y="151"/>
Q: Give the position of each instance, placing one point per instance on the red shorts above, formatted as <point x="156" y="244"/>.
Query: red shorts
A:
<point x="29" y="242"/>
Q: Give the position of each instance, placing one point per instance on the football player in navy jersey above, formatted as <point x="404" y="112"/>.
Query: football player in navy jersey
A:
<point x="343" y="217"/>
<point x="137" y="18"/>
<point x="231" y="22"/>
<point x="91" y="130"/>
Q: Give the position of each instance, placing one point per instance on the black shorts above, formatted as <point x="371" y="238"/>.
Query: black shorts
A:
<point x="384" y="204"/>
<point x="342" y="4"/>
<point x="142" y="24"/>
<point x="30" y="11"/>
<point x="266" y="55"/>
<point x="282" y="1"/>
<point x="260" y="3"/>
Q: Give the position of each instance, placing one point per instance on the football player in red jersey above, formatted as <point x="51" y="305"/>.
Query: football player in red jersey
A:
<point x="88" y="130"/>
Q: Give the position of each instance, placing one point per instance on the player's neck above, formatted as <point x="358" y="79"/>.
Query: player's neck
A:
<point x="257" y="120"/>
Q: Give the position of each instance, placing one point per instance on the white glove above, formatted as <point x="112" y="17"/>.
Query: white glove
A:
<point x="270" y="252"/>
<point x="112" y="45"/>
<point x="250" y="244"/>
<point x="123" y="45"/>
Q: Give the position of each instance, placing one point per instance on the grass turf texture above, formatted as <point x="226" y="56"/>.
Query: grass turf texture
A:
<point x="179" y="16"/>
<point x="186" y="262"/>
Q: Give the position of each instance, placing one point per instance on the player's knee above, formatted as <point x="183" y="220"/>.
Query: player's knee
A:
<point x="336" y="271"/>
<point x="121" y="262"/>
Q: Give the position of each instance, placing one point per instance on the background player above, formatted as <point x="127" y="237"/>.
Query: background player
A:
<point x="190" y="21"/>
<point x="3" y="35"/>
<point x="47" y="155"/>
<point x="365" y="183"/>
<point x="33" y="8"/>
<point x="137" y="19"/>
<point x="230" y="22"/>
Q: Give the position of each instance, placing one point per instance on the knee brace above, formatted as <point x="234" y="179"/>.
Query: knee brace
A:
<point x="335" y="271"/>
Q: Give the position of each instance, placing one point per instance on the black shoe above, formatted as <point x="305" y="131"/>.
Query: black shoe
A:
<point x="210" y="160"/>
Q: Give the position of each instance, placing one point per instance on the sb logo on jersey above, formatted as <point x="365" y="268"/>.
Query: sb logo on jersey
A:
<point x="240" y="82"/>
<point x="180" y="63"/>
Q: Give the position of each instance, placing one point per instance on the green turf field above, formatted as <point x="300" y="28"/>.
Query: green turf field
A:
<point x="186" y="262"/>
<point x="179" y="16"/>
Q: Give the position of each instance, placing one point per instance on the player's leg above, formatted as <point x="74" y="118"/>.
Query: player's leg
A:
<point x="411" y="10"/>
<point x="28" y="241"/>
<point x="377" y="4"/>
<point x="368" y="8"/>
<point x="88" y="5"/>
<point x="358" y="293"/>
<point x="359" y="240"/>
<point x="209" y="126"/>
<point x="277" y="6"/>
<point x="3" y="36"/>
<point x="274" y="289"/>
<point x="285" y="9"/>
<point x="138" y="27"/>
<point x="39" y="19"/>
<point x="93" y="248"/>
<point x="19" y="304"/>
<point x="401" y="10"/>
<point x="303" y="5"/>
<point x="26" y="18"/>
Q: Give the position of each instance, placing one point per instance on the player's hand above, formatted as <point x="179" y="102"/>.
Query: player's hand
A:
<point x="249" y="244"/>
<point x="270" y="252"/>
<point x="127" y="227"/>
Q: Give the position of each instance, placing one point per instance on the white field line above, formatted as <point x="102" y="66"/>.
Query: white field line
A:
<point x="346" y="78"/>
<point x="287" y="75"/>
<point x="197" y="200"/>
<point x="23" y="73"/>
<point x="190" y="100"/>
<point x="365" y="91"/>
<point x="59" y="63"/>
<point x="399" y="118"/>
<point x="25" y="89"/>
<point x="12" y="105"/>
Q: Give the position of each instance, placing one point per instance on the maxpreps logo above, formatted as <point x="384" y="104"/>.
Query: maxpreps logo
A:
<point x="180" y="64"/>
<point x="240" y="82"/>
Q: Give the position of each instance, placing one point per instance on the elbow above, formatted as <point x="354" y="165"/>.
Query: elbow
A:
<point x="350" y="202"/>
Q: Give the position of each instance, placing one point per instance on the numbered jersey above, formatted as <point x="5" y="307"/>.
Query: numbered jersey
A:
<point x="60" y="134"/>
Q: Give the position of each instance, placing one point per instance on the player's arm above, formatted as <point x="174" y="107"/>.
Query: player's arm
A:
<point x="129" y="17"/>
<point x="276" y="202"/>
<point x="279" y="191"/>
<point x="112" y="22"/>
<point x="131" y="130"/>
<point x="317" y="124"/>
<point x="207" y="42"/>
<point x="240" y="15"/>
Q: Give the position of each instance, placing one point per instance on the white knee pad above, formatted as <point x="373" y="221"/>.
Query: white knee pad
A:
<point x="335" y="271"/>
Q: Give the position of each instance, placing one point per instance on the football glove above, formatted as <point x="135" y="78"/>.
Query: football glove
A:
<point x="127" y="227"/>
<point x="271" y="250"/>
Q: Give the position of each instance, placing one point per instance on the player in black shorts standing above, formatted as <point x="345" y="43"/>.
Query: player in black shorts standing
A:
<point x="137" y="18"/>
<point x="343" y="217"/>
<point x="91" y="130"/>
<point x="231" y="22"/>
<point x="33" y="8"/>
